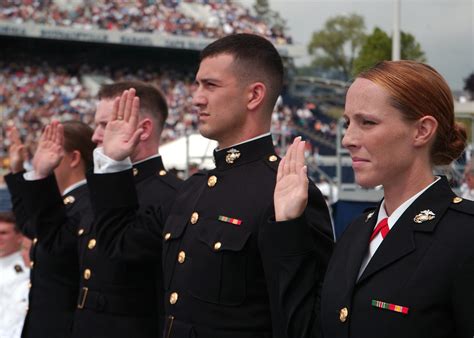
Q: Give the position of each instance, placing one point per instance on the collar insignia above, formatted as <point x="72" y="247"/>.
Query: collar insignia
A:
<point x="69" y="200"/>
<point x="369" y="216"/>
<point x="232" y="155"/>
<point x="423" y="216"/>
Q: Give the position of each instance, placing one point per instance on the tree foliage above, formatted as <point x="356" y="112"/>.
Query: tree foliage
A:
<point x="338" y="43"/>
<point x="469" y="84"/>
<point x="378" y="47"/>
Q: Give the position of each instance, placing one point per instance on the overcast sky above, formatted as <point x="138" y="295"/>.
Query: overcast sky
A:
<point x="444" y="28"/>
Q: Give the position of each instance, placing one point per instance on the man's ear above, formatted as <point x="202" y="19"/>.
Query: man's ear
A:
<point x="147" y="125"/>
<point x="425" y="132"/>
<point x="257" y="92"/>
<point x="75" y="158"/>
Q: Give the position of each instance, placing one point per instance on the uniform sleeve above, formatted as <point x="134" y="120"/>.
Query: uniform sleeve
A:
<point x="17" y="189"/>
<point x="55" y="229"/>
<point x="295" y="256"/>
<point x="123" y="231"/>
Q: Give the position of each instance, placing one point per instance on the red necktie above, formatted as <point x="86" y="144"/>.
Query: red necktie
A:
<point x="382" y="227"/>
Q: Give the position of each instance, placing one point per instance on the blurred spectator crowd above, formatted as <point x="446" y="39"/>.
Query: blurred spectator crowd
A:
<point x="201" y="18"/>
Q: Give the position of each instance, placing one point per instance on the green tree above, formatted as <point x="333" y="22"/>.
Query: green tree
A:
<point x="378" y="47"/>
<point x="338" y="43"/>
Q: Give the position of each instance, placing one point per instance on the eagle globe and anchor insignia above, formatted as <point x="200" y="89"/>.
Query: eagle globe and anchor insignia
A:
<point x="423" y="216"/>
<point x="232" y="155"/>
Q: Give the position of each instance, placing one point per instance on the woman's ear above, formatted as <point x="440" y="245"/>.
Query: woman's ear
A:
<point x="426" y="128"/>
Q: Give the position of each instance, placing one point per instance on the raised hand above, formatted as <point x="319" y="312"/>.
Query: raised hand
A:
<point x="122" y="134"/>
<point x="16" y="151"/>
<point x="50" y="150"/>
<point x="291" y="190"/>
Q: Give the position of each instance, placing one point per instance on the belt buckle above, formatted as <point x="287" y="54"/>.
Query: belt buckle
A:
<point x="82" y="297"/>
<point x="168" y="326"/>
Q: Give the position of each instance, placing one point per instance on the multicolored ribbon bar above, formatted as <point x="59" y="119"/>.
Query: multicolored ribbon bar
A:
<point x="234" y="221"/>
<point x="391" y="307"/>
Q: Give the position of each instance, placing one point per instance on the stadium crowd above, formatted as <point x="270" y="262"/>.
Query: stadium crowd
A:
<point x="214" y="19"/>
<point x="31" y="94"/>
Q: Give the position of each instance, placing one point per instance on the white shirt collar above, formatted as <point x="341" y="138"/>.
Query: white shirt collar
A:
<point x="74" y="186"/>
<point x="12" y="258"/>
<point x="393" y="218"/>
<point x="246" y="141"/>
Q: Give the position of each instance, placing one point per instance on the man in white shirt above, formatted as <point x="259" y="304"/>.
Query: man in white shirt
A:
<point x="14" y="279"/>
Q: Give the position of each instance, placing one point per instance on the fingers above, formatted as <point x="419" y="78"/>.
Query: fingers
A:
<point x="299" y="158"/>
<point x="129" y="100"/>
<point x="135" y="112"/>
<point x="296" y="144"/>
<point x="121" y="107"/>
<point x="286" y="161"/>
<point x="14" y="136"/>
<point x="115" y="109"/>
<point x="280" y="169"/>
<point x="46" y="134"/>
<point x="59" y="140"/>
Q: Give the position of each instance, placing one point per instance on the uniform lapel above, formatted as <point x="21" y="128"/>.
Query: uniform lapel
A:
<point x="358" y="247"/>
<point x="400" y="240"/>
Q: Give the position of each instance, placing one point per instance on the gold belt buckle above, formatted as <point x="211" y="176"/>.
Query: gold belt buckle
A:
<point x="82" y="298"/>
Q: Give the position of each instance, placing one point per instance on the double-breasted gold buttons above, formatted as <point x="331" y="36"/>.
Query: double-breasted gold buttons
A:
<point x="167" y="236"/>
<point x="273" y="158"/>
<point x="457" y="200"/>
<point x="135" y="171"/>
<point x="87" y="274"/>
<point x="181" y="257"/>
<point x="217" y="246"/>
<point x="212" y="181"/>
<point x="343" y="314"/>
<point x="173" y="298"/>
<point x="92" y="243"/>
<point x="35" y="240"/>
<point x="194" y="218"/>
<point x="162" y="172"/>
<point x="80" y="232"/>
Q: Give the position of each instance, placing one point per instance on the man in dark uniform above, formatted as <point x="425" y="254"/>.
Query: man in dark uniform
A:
<point x="54" y="273"/>
<point x="216" y="284"/>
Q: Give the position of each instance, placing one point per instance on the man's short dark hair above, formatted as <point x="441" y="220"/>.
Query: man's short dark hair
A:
<point x="152" y="100"/>
<point x="78" y="136"/>
<point x="256" y="58"/>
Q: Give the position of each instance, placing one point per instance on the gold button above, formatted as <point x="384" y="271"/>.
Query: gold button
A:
<point x="273" y="158"/>
<point x="194" y="218"/>
<point x="173" y="298"/>
<point x="217" y="246"/>
<point x="32" y="263"/>
<point x="457" y="200"/>
<point x="167" y="236"/>
<point x="80" y="232"/>
<point x="87" y="274"/>
<point x="35" y="240"/>
<point x="212" y="181"/>
<point x="162" y="173"/>
<point x="181" y="257"/>
<point x="29" y="285"/>
<point x="343" y="313"/>
<point x="135" y="171"/>
<point x="91" y="244"/>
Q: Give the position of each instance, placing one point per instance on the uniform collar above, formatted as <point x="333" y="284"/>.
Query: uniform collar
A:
<point x="146" y="168"/>
<point x="11" y="259"/>
<point x="74" y="186"/>
<point x="243" y="153"/>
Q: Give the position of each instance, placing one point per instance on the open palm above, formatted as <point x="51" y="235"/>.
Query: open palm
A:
<point x="122" y="134"/>
<point x="291" y="190"/>
<point x="16" y="150"/>
<point x="50" y="150"/>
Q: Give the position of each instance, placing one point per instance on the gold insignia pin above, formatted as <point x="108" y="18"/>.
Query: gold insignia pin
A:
<point x="369" y="216"/>
<point x="423" y="216"/>
<point x="69" y="200"/>
<point x="232" y="155"/>
<point x="135" y="171"/>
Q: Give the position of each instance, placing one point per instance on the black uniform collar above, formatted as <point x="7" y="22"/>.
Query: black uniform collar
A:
<point x="244" y="153"/>
<point x="147" y="168"/>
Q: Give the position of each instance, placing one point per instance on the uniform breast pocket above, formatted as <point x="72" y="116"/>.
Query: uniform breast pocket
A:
<point x="219" y="263"/>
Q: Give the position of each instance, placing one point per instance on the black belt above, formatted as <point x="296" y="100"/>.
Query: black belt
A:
<point x="178" y="329"/>
<point x="100" y="302"/>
